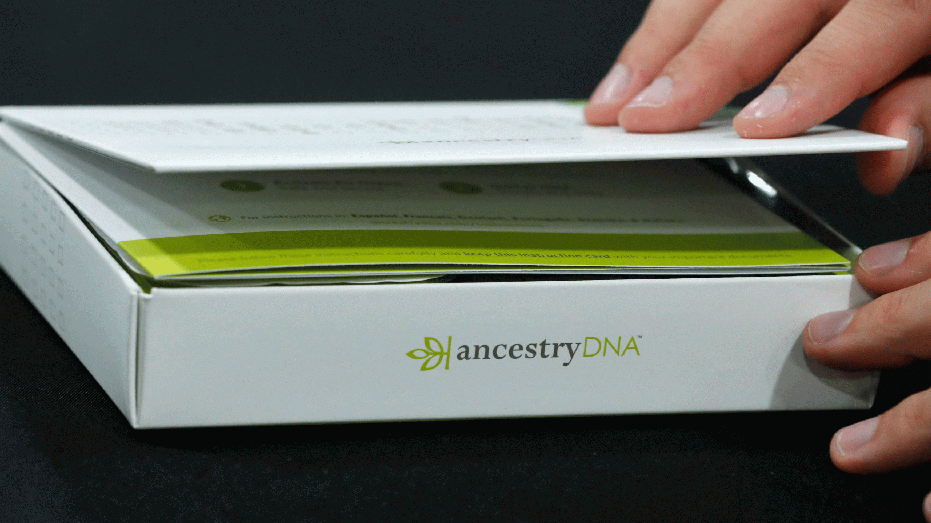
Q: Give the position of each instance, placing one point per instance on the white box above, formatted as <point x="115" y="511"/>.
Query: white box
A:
<point x="173" y="357"/>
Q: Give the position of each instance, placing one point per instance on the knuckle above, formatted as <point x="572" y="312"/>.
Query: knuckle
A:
<point x="921" y="245"/>
<point x="717" y="56"/>
<point x="826" y="60"/>
<point x="707" y="51"/>
<point x="831" y="64"/>
<point x="916" y="7"/>
<point x="910" y="19"/>
<point x="913" y="414"/>
<point x="651" y="32"/>
<point x="889" y="312"/>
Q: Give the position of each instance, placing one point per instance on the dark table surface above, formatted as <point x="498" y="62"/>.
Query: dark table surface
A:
<point x="67" y="454"/>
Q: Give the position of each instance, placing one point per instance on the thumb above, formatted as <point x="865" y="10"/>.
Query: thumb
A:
<point x="901" y="437"/>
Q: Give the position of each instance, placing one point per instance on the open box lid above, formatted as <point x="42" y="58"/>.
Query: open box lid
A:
<point x="338" y="192"/>
<point x="173" y="138"/>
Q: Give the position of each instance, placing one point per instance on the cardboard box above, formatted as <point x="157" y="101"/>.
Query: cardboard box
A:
<point x="199" y="356"/>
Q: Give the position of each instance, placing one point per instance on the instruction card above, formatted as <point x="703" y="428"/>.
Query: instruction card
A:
<point x="365" y="192"/>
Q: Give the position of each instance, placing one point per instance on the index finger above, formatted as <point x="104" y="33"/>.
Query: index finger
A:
<point x="667" y="27"/>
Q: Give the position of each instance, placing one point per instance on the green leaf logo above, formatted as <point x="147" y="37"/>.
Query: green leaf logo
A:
<point x="434" y="353"/>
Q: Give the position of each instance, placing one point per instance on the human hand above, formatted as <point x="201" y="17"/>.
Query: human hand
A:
<point x="891" y="331"/>
<point x="689" y="58"/>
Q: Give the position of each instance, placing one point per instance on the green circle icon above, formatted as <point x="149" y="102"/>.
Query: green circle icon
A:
<point x="219" y="218"/>
<point x="242" y="186"/>
<point x="460" y="188"/>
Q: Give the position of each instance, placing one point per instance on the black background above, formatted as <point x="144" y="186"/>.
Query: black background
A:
<point x="66" y="454"/>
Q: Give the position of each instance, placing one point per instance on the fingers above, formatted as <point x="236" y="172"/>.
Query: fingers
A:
<point x="667" y="27"/>
<point x="868" y="44"/>
<point x="891" y="331"/>
<point x="740" y="45"/>
<point x="895" y="265"/>
<point x="686" y="61"/>
<point x="898" y="438"/>
<point x="903" y="110"/>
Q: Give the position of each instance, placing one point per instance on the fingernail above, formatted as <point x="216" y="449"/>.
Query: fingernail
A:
<point x="881" y="259"/>
<point x="926" y="507"/>
<point x="613" y="85"/>
<point x="770" y="103"/>
<point x="849" y="440"/>
<point x="655" y="95"/>
<point x="822" y="328"/>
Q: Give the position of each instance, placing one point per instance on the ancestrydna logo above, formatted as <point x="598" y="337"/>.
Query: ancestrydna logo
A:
<point x="436" y="352"/>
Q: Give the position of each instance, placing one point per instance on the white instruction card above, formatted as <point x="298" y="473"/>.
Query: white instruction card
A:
<point x="340" y="135"/>
<point x="358" y="192"/>
<point x="663" y="217"/>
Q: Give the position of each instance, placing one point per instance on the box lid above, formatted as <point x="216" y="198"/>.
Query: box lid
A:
<point x="176" y="138"/>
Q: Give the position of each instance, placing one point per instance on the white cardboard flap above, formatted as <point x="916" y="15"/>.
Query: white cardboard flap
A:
<point x="307" y="136"/>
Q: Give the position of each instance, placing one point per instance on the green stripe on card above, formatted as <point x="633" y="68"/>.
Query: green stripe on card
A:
<point x="243" y="251"/>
